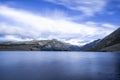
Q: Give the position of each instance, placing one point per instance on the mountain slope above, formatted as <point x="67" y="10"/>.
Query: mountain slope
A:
<point x="89" y="45"/>
<point x="41" y="45"/>
<point x="113" y="48"/>
<point x="109" y="43"/>
<point x="74" y="48"/>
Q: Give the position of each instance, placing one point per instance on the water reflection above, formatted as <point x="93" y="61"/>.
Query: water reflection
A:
<point x="59" y="66"/>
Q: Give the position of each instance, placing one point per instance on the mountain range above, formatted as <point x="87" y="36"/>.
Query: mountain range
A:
<point x="109" y="43"/>
<point x="38" y="45"/>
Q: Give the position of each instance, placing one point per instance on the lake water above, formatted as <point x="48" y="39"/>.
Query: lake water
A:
<point x="27" y="65"/>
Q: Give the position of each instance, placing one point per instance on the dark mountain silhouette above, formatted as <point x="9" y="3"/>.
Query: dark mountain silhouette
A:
<point x="74" y="48"/>
<point x="109" y="43"/>
<point x="89" y="45"/>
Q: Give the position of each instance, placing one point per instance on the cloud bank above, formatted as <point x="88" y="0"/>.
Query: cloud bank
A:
<point x="23" y="25"/>
<point x="88" y="7"/>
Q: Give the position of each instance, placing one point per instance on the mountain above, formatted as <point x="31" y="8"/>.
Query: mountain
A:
<point x="109" y="43"/>
<point x="41" y="45"/>
<point x="112" y="48"/>
<point x="74" y="48"/>
<point x="89" y="45"/>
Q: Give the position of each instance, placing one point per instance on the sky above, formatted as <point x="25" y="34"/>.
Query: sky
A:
<point x="73" y="21"/>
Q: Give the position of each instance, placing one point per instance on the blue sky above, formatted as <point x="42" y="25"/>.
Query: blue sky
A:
<point x="74" y="21"/>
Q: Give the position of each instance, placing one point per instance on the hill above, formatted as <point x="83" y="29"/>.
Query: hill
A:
<point x="89" y="45"/>
<point x="109" y="43"/>
<point x="41" y="45"/>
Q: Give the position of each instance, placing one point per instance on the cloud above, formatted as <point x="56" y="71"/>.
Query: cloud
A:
<point x="88" y="7"/>
<point x="12" y="38"/>
<point x="108" y="25"/>
<point x="26" y="25"/>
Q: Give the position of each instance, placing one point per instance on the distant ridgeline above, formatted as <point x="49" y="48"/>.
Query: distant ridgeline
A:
<point x="41" y="45"/>
<point x="109" y="43"/>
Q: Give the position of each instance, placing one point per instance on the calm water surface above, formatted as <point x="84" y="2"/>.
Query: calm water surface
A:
<point x="59" y="65"/>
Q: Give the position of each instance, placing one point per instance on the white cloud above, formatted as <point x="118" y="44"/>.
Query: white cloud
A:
<point x="88" y="7"/>
<point x="9" y="29"/>
<point x="77" y="42"/>
<point x="12" y="38"/>
<point x="109" y="25"/>
<point x="31" y="26"/>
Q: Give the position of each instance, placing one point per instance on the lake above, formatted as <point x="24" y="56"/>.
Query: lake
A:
<point x="35" y="65"/>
